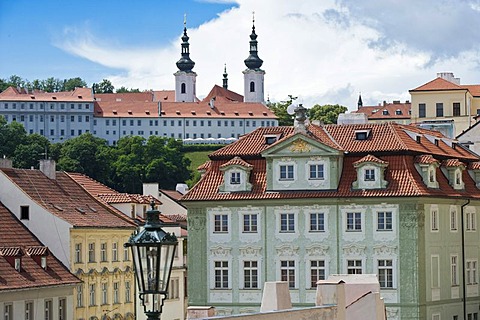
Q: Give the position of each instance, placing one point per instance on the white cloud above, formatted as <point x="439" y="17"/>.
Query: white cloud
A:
<point x="322" y="51"/>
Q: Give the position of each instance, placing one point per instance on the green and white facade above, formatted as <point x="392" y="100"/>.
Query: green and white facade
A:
<point x="298" y="204"/>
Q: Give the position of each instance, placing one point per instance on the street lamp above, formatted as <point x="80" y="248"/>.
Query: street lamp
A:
<point x="153" y="251"/>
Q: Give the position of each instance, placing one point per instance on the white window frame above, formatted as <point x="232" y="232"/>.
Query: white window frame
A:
<point x="29" y="310"/>
<point x="454" y="270"/>
<point x="80" y="295"/>
<point x="249" y="226"/>
<point x="289" y="175"/>
<point x="453" y="220"/>
<point x="352" y="227"/>
<point x="318" y="174"/>
<point x="103" y="252"/>
<point x="471" y="271"/>
<point x="319" y="227"/>
<point x="222" y="224"/>
<point x="104" y="287"/>
<point x="116" y="292"/>
<point x="252" y="271"/>
<point x="288" y="271"/>
<point x="91" y="295"/>
<point x="220" y="271"/>
<point x="354" y="266"/>
<point x="435" y="278"/>
<point x="290" y="226"/>
<point x="386" y="269"/>
<point x="471" y="221"/>
<point x="114" y="251"/>
<point x="385" y="224"/>
<point x="369" y="174"/>
<point x="235" y="177"/>
<point x="128" y="292"/>
<point x="91" y="252"/>
<point x="434" y="223"/>
<point x="319" y="269"/>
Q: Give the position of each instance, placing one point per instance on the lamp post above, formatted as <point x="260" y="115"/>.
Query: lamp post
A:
<point x="153" y="251"/>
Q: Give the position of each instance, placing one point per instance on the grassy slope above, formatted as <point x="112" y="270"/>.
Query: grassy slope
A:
<point x="197" y="158"/>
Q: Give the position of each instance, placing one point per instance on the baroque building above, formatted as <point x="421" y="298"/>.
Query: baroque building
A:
<point x="300" y="203"/>
<point x="221" y="117"/>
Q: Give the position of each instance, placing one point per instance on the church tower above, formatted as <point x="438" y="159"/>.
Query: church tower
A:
<point x="253" y="75"/>
<point x="185" y="78"/>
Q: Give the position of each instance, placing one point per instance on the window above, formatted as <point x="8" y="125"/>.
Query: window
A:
<point x="317" y="272"/>
<point x="103" y="252"/>
<point x="235" y="178"/>
<point x="92" y="295"/>
<point x="62" y="309"/>
<point x="385" y="273"/>
<point x="250" y="223"/>
<point x="422" y="110"/>
<point x="471" y="272"/>
<point x="456" y="109"/>
<point x="79" y="118"/>
<point x="369" y="174"/>
<point x="354" y="266"/>
<point x="80" y="295"/>
<point x="453" y="220"/>
<point x="471" y="221"/>
<point x="126" y="254"/>
<point x="434" y="220"/>
<point x="8" y="311"/>
<point x="354" y="221"/>
<point x="78" y="252"/>
<point x="139" y="123"/>
<point x="472" y="316"/>
<point x="128" y="291"/>
<point x="183" y="88"/>
<point x="316" y="171"/>
<point x="209" y="123"/>
<point x="132" y="123"/>
<point x="252" y="86"/>
<point x="114" y="251"/>
<point x="286" y="172"/>
<point x="24" y="213"/>
<point x="226" y="123"/>
<point x="52" y="132"/>
<point x="29" y="312"/>
<point x="221" y="274"/>
<point x="91" y="252"/>
<point x="48" y="310"/>
<point x="287" y="272"/>
<point x="250" y="274"/>
<point x="287" y="222"/>
<point x="317" y="221"/>
<point x="173" y="289"/>
<point x="454" y="270"/>
<point x="439" y="109"/>
<point x="384" y="221"/>
<point x="104" y="293"/>
<point x="221" y="223"/>
<point x="116" y="292"/>
<point x="72" y="118"/>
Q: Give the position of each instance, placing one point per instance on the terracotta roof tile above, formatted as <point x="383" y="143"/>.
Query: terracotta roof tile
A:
<point x="11" y="252"/>
<point x="127" y="198"/>
<point x="204" y="166"/>
<point x="236" y="161"/>
<point x="387" y="111"/>
<point x="174" y="194"/>
<point x="438" y="84"/>
<point x="37" y="251"/>
<point x="78" y="95"/>
<point x="218" y="92"/>
<point x="369" y="158"/>
<point x="66" y="199"/>
<point x="452" y="163"/>
<point x="15" y="234"/>
<point x="425" y="159"/>
<point x="474" y="165"/>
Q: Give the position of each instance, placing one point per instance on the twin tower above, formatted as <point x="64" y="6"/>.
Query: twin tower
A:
<point x="185" y="77"/>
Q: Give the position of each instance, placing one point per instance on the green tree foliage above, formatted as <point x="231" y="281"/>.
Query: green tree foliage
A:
<point x="27" y="155"/>
<point x="86" y="154"/>
<point x="11" y="135"/>
<point x="48" y="85"/>
<point x="327" y="114"/>
<point x="280" y="110"/>
<point x="103" y="87"/>
<point x="126" y="90"/>
<point x="72" y="83"/>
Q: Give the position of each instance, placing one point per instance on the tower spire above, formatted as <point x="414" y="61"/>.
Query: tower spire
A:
<point x="360" y="102"/>
<point x="253" y="62"/>
<point x="225" y="77"/>
<point x="185" y="63"/>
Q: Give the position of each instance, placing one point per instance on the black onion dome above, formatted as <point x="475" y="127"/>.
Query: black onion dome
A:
<point x="185" y="63"/>
<point x="253" y="61"/>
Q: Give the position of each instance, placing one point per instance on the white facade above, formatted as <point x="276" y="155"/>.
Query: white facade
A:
<point x="185" y="86"/>
<point x="254" y="85"/>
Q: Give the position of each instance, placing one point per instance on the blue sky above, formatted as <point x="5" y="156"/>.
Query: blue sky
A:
<point x="323" y="51"/>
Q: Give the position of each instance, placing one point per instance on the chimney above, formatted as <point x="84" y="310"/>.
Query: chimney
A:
<point x="449" y="77"/>
<point x="47" y="166"/>
<point x="300" y="117"/>
<point x="6" y="163"/>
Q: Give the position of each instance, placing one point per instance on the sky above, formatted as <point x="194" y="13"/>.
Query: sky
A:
<point x="321" y="51"/>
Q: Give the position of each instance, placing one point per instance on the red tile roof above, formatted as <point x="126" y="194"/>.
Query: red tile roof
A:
<point x="78" y="95"/>
<point x="474" y="165"/>
<point x="425" y="159"/>
<point x="452" y="163"/>
<point x="440" y="84"/>
<point x="128" y="198"/>
<point x="218" y="92"/>
<point x="388" y="142"/>
<point x="369" y="158"/>
<point x="15" y="235"/>
<point x="66" y="199"/>
<point x="236" y="161"/>
<point x="173" y="194"/>
<point x="387" y="111"/>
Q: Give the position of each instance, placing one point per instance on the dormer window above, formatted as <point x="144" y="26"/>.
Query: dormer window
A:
<point x="316" y="172"/>
<point x="385" y="112"/>
<point x="18" y="264"/>
<point x="427" y="166"/>
<point x="398" y="112"/>
<point x="362" y="134"/>
<point x="43" y="262"/>
<point x="286" y="172"/>
<point x="431" y="175"/>
<point x="453" y="168"/>
<point x="370" y="173"/>
<point x="236" y="176"/>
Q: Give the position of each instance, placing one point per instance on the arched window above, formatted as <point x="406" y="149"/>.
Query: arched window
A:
<point x="183" y="88"/>
<point x="252" y="86"/>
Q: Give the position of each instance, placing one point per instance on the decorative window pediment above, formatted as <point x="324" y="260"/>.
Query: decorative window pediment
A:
<point x="427" y="166"/>
<point x="453" y="170"/>
<point x="370" y="173"/>
<point x="236" y="176"/>
<point x="474" y="172"/>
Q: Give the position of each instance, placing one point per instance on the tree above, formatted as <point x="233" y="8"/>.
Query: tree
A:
<point x="51" y="84"/>
<point x="103" y="87"/>
<point x="11" y="135"/>
<point x="126" y="90"/>
<point x="87" y="154"/>
<point x="72" y="83"/>
<point x="27" y="155"/>
<point x="280" y="110"/>
<point x="328" y="114"/>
